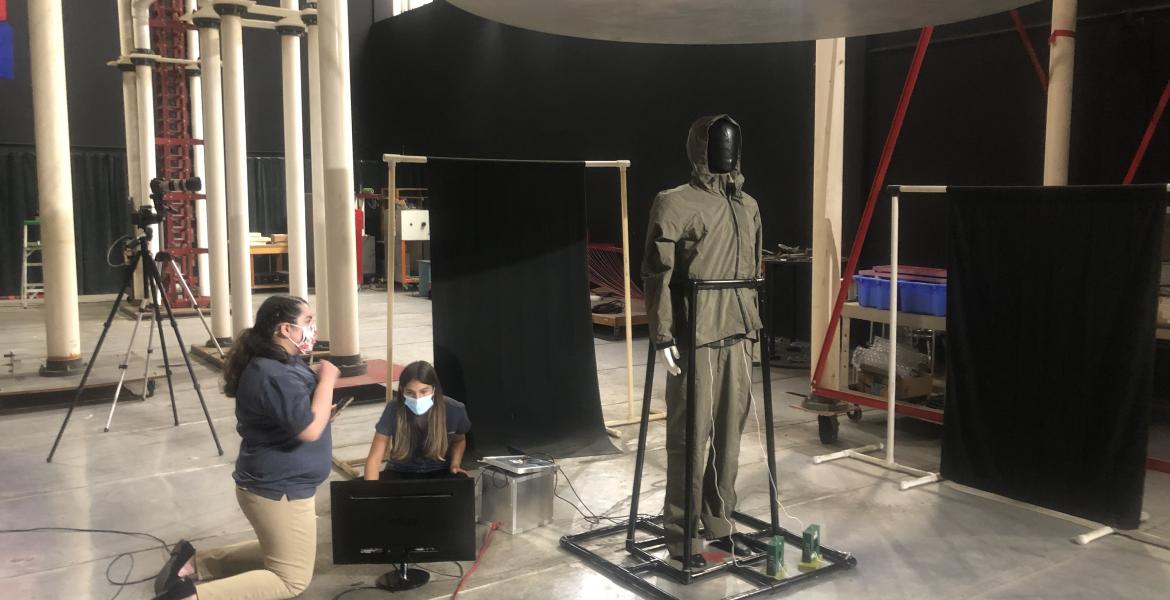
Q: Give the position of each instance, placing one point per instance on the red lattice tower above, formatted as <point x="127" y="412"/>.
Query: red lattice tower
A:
<point x="174" y="144"/>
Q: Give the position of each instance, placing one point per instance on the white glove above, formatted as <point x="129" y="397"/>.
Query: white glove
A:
<point x="671" y="356"/>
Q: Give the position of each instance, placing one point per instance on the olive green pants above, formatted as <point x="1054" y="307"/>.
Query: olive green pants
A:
<point x="278" y="564"/>
<point x="722" y="387"/>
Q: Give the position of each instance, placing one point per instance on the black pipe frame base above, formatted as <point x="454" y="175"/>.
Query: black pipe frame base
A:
<point x="630" y="576"/>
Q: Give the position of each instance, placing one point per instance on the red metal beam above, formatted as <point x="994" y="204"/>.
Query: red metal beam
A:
<point x="1149" y="135"/>
<point x="902" y="408"/>
<point x="1029" y="49"/>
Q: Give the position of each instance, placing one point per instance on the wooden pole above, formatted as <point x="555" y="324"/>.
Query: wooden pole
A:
<point x="628" y="308"/>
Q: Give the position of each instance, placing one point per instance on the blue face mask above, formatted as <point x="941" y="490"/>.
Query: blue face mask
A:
<point x="420" y="406"/>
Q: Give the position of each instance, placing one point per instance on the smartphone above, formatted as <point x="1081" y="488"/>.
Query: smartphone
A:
<point x="340" y="406"/>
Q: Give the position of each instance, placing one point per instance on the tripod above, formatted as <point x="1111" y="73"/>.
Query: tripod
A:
<point x="153" y="285"/>
<point x="148" y="389"/>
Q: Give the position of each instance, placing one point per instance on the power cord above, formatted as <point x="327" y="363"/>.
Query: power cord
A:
<point x="121" y="585"/>
<point x="487" y="541"/>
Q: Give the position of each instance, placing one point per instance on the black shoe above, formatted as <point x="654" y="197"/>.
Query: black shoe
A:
<point x="182" y="552"/>
<point x="697" y="561"/>
<point x="182" y="588"/>
<point x="731" y="545"/>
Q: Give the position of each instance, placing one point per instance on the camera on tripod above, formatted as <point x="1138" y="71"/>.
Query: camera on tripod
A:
<point x="146" y="216"/>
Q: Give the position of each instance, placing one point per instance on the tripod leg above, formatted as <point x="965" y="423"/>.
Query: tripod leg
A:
<point x="641" y="457"/>
<point x="127" y="281"/>
<point x="154" y="284"/>
<point x="123" y="367"/>
<point x="147" y="382"/>
<point x="195" y="303"/>
<point x="186" y="359"/>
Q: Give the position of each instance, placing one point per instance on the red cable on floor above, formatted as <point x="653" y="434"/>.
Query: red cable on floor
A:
<point x="1141" y="151"/>
<point x="1029" y="49"/>
<point x="487" y="541"/>
<point x="874" y="190"/>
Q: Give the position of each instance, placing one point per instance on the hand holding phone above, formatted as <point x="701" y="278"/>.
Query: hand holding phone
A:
<point x="340" y="406"/>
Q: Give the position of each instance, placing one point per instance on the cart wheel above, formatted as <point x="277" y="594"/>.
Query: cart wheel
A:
<point x="854" y="415"/>
<point x="149" y="388"/>
<point x="827" y="427"/>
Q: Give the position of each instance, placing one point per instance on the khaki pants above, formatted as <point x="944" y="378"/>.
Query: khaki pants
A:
<point x="279" y="564"/>
<point x="722" y="388"/>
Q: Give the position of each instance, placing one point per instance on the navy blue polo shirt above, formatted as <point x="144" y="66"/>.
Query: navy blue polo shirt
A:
<point x="457" y="422"/>
<point x="273" y="401"/>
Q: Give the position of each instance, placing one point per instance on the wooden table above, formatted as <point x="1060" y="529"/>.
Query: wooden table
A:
<point x="277" y="250"/>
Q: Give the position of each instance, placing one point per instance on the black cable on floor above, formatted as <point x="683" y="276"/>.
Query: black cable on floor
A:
<point x="163" y="545"/>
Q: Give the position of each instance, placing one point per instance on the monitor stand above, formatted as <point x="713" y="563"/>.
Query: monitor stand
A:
<point x="402" y="578"/>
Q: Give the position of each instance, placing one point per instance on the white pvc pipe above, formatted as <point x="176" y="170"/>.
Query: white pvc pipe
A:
<point x="214" y="184"/>
<point x="892" y="380"/>
<point x="391" y="230"/>
<point x="337" y="150"/>
<point x="55" y="186"/>
<point x="235" y="146"/>
<point x="1060" y="87"/>
<point x="294" y="154"/>
<point x="144" y="84"/>
<point x="198" y="152"/>
<point x="320" y="236"/>
<point x="828" y="168"/>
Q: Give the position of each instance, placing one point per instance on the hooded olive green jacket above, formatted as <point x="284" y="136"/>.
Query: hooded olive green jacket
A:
<point x="706" y="229"/>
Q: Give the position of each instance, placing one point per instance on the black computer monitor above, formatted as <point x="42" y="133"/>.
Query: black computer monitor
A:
<point x="402" y="522"/>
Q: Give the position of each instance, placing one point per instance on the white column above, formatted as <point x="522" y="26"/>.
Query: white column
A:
<point x="235" y="146"/>
<point x="129" y="102"/>
<point x="144" y="84"/>
<point x="337" y="150"/>
<point x="198" y="169"/>
<point x="320" y="250"/>
<point x="828" y="148"/>
<point x="1060" y="86"/>
<point x="214" y="184"/>
<point x="294" y="151"/>
<point x="130" y="116"/>
<point x="55" y="185"/>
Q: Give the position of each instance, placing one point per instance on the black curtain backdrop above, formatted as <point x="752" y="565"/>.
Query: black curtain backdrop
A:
<point x="512" y="332"/>
<point x="1050" y="319"/>
<point x="101" y="214"/>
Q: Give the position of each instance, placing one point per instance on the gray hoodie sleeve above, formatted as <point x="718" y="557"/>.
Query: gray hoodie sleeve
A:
<point x="665" y="231"/>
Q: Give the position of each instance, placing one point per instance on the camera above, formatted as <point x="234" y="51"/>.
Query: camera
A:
<point x="162" y="186"/>
<point x="144" y="217"/>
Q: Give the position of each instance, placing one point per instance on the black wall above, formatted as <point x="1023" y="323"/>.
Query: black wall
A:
<point x="447" y="83"/>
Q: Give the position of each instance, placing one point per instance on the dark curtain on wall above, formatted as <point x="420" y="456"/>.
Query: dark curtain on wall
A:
<point x="101" y="215"/>
<point x="1051" y="303"/>
<point x="512" y="331"/>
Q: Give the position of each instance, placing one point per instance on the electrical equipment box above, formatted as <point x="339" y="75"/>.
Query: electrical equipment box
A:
<point x="414" y="225"/>
<point x="520" y="502"/>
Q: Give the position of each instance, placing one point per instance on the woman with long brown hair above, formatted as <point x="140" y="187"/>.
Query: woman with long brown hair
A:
<point x="424" y="431"/>
<point x="282" y="412"/>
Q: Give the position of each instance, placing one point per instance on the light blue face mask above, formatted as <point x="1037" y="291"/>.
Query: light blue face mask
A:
<point x="420" y="406"/>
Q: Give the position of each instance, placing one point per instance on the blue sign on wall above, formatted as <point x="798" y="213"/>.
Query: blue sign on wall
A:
<point x="6" y="70"/>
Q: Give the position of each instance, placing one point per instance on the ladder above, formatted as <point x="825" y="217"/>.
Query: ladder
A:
<point x="29" y="290"/>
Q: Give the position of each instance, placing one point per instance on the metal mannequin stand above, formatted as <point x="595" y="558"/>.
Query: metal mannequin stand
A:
<point x="754" y="535"/>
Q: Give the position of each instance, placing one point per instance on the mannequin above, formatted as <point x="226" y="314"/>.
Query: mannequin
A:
<point x="705" y="229"/>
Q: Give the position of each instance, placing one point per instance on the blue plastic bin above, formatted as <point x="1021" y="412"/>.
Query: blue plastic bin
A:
<point x="913" y="296"/>
<point x="873" y="292"/>
<point x="922" y="298"/>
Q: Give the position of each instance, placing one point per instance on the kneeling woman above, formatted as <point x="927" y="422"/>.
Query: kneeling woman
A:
<point x="424" y="430"/>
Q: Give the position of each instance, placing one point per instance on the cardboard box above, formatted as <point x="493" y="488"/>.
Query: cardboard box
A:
<point x="905" y="387"/>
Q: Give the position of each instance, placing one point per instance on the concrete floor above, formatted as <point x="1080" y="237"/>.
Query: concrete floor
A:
<point x="145" y="475"/>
